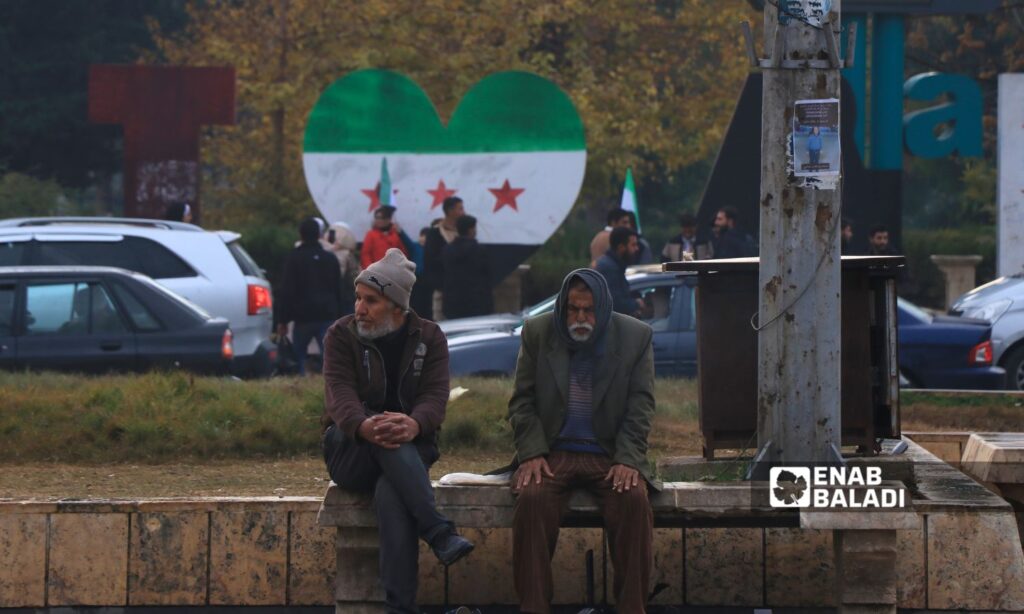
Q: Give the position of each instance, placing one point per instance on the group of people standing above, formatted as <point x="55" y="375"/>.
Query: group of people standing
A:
<point x="454" y="279"/>
<point x="452" y="269"/>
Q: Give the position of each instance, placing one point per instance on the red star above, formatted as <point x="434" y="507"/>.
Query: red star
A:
<point x="506" y="195"/>
<point x="374" y="196"/>
<point x="440" y="193"/>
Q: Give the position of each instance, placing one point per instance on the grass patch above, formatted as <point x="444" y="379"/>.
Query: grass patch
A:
<point x="175" y="417"/>
<point x="957" y="411"/>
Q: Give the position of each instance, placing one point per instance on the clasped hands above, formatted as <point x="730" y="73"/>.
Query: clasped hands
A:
<point x="621" y="477"/>
<point x="389" y="429"/>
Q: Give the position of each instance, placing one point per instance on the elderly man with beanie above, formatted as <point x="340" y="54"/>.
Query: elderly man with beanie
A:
<point x="386" y="381"/>
<point x="581" y="412"/>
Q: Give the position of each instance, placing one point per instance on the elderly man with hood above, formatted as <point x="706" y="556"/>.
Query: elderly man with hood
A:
<point x="581" y="412"/>
<point x="386" y="389"/>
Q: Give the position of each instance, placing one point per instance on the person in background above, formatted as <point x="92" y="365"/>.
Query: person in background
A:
<point x="421" y="301"/>
<point x="599" y="244"/>
<point x="730" y="242"/>
<point x="612" y="265"/>
<point x="644" y="254"/>
<point x="683" y="243"/>
<point x="386" y="387"/>
<point x="311" y="294"/>
<point x="381" y="237"/>
<point x="467" y="274"/>
<point x="878" y="242"/>
<point x="340" y="241"/>
<point x="179" y="212"/>
<point x="846" y="237"/>
<point x="439" y="236"/>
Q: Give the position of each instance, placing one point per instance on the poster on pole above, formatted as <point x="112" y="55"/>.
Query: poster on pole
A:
<point x="1010" y="188"/>
<point x="815" y="140"/>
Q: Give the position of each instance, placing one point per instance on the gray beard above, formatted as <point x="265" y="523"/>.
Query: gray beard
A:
<point x="581" y="333"/>
<point x="376" y="332"/>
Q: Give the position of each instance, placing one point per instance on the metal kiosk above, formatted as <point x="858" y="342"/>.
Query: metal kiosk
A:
<point x="727" y="307"/>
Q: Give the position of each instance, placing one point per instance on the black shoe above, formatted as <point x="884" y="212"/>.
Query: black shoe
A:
<point x="451" y="547"/>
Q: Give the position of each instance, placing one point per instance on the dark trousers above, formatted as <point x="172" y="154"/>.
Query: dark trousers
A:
<point x="403" y="499"/>
<point x="538" y="513"/>
<point x="302" y="334"/>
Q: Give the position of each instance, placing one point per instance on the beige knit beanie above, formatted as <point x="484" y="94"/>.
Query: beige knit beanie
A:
<point x="393" y="275"/>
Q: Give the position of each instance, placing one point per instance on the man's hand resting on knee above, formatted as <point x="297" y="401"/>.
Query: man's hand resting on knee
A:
<point x="622" y="477"/>
<point x="532" y="469"/>
<point x="389" y="429"/>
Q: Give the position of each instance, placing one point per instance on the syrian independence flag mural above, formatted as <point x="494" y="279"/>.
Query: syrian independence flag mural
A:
<point x="514" y="151"/>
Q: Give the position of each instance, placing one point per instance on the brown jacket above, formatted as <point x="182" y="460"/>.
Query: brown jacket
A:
<point x="354" y="378"/>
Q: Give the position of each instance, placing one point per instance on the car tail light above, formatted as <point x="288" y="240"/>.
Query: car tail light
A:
<point x="981" y="354"/>
<point x="259" y="299"/>
<point x="227" y="348"/>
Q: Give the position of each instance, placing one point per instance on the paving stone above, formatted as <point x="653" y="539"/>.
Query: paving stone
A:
<point x="88" y="559"/>
<point x="724" y="567"/>
<point x="357" y="554"/>
<point x="483" y="578"/>
<point x="248" y="558"/>
<point x="911" y="578"/>
<point x="168" y="561"/>
<point x="668" y="566"/>
<point x="23" y="560"/>
<point x="975" y="562"/>
<point x="799" y="568"/>
<point x="312" y="561"/>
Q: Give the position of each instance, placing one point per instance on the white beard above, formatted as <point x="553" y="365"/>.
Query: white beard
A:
<point x="581" y="332"/>
<point x="376" y="332"/>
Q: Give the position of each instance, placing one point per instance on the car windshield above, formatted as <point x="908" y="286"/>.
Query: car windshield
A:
<point x="177" y="298"/>
<point x="542" y="307"/>
<point x="244" y="260"/>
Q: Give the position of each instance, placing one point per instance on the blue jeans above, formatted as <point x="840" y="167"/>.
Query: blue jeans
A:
<point x="403" y="499"/>
<point x="302" y="333"/>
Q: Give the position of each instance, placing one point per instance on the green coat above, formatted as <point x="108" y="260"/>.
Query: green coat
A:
<point x="623" y="392"/>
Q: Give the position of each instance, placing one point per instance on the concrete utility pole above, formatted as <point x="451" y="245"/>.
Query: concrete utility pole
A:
<point x="799" y="314"/>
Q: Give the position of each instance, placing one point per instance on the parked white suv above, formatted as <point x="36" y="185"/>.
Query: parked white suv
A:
<point x="208" y="267"/>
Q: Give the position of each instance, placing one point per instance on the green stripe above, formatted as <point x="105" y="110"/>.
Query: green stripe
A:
<point x="378" y="111"/>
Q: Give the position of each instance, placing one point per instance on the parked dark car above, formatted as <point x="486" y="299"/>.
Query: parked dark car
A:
<point x="99" y="319"/>
<point x="946" y="351"/>
<point x="934" y="351"/>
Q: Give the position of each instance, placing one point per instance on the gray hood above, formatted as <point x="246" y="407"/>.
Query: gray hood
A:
<point x="602" y="309"/>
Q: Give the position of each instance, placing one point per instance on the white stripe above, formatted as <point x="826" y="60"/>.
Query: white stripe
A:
<point x="551" y="182"/>
<point x="628" y="201"/>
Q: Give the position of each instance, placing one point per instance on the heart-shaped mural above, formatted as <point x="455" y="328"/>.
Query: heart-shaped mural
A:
<point x="514" y="151"/>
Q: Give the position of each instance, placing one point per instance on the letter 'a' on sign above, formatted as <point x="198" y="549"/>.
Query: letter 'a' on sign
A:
<point x="939" y="131"/>
<point x="514" y="151"/>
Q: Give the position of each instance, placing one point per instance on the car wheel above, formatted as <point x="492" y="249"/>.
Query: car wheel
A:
<point x="1014" y="365"/>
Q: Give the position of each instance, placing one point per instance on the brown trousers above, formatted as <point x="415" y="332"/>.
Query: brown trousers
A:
<point x="538" y="513"/>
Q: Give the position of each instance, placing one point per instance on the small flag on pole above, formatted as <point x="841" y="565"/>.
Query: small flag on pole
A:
<point x="629" y="197"/>
<point x="384" y="189"/>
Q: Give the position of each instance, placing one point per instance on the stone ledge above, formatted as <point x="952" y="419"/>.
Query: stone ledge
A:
<point x="995" y="457"/>
<point x="125" y="506"/>
<point x="491" y="506"/>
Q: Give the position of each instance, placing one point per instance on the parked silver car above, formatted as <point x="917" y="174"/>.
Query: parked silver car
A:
<point x="1001" y="302"/>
